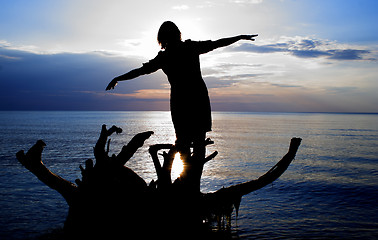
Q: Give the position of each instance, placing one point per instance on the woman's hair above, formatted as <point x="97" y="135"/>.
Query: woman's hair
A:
<point x="168" y="32"/>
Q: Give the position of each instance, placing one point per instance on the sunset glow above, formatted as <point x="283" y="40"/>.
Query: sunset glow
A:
<point x="309" y="56"/>
<point x="177" y="166"/>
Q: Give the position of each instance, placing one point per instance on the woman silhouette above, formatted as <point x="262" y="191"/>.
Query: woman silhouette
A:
<point x="190" y="104"/>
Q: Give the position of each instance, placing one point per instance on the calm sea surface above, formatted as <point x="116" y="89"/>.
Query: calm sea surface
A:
<point x="329" y="191"/>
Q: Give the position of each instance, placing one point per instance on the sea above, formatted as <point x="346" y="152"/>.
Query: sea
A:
<point x="330" y="190"/>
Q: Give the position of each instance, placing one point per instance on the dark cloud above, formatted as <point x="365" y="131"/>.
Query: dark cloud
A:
<point x="306" y="48"/>
<point x="348" y="54"/>
<point x="285" y="85"/>
<point x="309" y="53"/>
<point x="30" y="81"/>
<point x="271" y="48"/>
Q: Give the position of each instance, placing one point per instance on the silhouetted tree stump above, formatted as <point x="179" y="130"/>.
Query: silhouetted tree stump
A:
<point x="112" y="201"/>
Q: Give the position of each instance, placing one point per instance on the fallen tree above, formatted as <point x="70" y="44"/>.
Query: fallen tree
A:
<point x="112" y="201"/>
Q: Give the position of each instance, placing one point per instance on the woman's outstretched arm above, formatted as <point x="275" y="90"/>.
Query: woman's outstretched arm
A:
<point x="228" y="41"/>
<point x="127" y="76"/>
<point x="147" y="68"/>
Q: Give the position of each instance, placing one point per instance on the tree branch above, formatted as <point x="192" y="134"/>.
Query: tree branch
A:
<point x="33" y="162"/>
<point x="128" y="150"/>
<point x="210" y="157"/>
<point x="275" y="172"/>
<point x="163" y="172"/>
<point x="99" y="149"/>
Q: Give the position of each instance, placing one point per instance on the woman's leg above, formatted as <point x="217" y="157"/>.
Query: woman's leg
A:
<point x="183" y="143"/>
<point x="199" y="148"/>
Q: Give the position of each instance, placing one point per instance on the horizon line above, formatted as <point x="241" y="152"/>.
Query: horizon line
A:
<point x="309" y="112"/>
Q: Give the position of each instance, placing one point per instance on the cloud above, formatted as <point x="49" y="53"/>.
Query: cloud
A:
<point x="308" y="48"/>
<point x="227" y="74"/>
<point x="180" y="7"/>
<point x="349" y="54"/>
<point x="340" y="90"/>
<point x="152" y="94"/>
<point x="285" y="85"/>
<point x="66" y="81"/>
<point x="247" y="1"/>
<point x="214" y="82"/>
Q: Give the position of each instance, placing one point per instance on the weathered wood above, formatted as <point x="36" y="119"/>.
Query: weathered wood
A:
<point x="32" y="161"/>
<point x="111" y="198"/>
<point x="223" y="201"/>
<point x="163" y="172"/>
<point x="275" y="172"/>
<point x="129" y="150"/>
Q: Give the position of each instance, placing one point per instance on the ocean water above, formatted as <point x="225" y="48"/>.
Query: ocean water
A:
<point x="329" y="192"/>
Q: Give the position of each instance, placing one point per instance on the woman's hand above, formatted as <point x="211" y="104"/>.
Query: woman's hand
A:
<point x="249" y="37"/>
<point x="112" y="84"/>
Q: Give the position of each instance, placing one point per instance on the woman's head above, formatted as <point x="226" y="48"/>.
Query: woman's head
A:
<point x="168" y="33"/>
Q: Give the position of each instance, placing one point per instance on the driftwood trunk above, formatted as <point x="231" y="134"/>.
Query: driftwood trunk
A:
<point x="113" y="202"/>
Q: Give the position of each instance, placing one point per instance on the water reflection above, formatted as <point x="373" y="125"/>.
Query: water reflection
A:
<point x="177" y="166"/>
<point x="330" y="189"/>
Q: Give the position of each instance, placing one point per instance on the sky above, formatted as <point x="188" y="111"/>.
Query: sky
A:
<point x="310" y="55"/>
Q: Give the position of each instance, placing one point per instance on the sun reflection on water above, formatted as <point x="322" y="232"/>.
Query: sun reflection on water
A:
<point x="177" y="166"/>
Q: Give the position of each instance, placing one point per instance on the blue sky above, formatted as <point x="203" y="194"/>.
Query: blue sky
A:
<point x="310" y="56"/>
